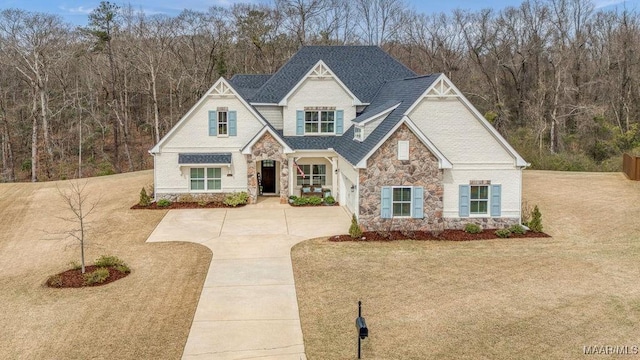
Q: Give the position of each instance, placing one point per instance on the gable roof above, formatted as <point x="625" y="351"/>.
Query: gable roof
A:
<point x="248" y="84"/>
<point x="405" y="92"/>
<point x="363" y="69"/>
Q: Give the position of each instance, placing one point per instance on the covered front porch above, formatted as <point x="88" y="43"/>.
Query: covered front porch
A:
<point x="313" y="174"/>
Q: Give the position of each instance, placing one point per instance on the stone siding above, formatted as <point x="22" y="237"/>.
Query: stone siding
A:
<point x="193" y="197"/>
<point x="384" y="169"/>
<point x="267" y="148"/>
<point x="485" y="223"/>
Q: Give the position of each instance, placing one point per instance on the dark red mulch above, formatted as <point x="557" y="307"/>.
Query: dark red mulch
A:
<point x="447" y="235"/>
<point x="183" y="205"/>
<point x="308" y="205"/>
<point x="73" y="278"/>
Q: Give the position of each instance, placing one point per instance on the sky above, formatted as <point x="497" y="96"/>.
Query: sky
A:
<point x="75" y="11"/>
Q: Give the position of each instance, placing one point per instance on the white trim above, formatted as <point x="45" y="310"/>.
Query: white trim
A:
<point x="443" y="162"/>
<point x="309" y="74"/>
<point x="246" y="150"/>
<point x="264" y="104"/>
<point x="377" y="115"/>
<point x="221" y="80"/>
<point x="443" y="78"/>
<point x="205" y="179"/>
<point x="404" y="202"/>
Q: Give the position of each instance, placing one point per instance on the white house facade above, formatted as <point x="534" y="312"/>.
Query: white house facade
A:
<point x="398" y="150"/>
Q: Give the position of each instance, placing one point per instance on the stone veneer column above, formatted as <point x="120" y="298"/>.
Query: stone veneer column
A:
<point x="267" y="148"/>
<point x="384" y="169"/>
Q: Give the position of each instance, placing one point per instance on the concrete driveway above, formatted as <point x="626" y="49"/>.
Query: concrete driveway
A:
<point x="248" y="307"/>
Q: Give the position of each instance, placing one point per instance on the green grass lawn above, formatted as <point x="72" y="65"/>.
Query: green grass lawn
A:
<point x="497" y="299"/>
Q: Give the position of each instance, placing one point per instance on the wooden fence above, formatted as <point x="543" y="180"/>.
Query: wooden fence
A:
<point x="631" y="166"/>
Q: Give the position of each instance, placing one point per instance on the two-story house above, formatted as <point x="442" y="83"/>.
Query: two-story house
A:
<point x="389" y="144"/>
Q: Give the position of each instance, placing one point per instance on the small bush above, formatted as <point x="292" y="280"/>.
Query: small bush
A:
<point x="185" y="198"/>
<point x="75" y="265"/>
<point x="106" y="261"/>
<point x="124" y="268"/>
<point x="518" y="229"/>
<point x="314" y="200"/>
<point x="145" y="199"/>
<point x="536" y="220"/>
<point x="55" y="281"/>
<point x="292" y="197"/>
<point x="472" y="228"/>
<point x="237" y="198"/>
<point x="301" y="201"/>
<point x="503" y="233"/>
<point x="354" y="230"/>
<point x="329" y="200"/>
<point x="163" y="203"/>
<point x="97" y="276"/>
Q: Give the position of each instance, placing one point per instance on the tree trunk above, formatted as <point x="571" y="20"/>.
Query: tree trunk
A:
<point x="34" y="141"/>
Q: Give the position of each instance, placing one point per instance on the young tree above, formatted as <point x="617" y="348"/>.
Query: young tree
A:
<point x="76" y="199"/>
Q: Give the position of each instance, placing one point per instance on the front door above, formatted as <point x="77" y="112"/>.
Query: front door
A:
<point x="268" y="177"/>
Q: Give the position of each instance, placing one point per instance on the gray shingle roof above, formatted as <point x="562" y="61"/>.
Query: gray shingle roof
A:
<point x="311" y="142"/>
<point x="204" y="158"/>
<point x="363" y="69"/>
<point x="405" y="92"/>
<point x="248" y="84"/>
<point x="374" y="109"/>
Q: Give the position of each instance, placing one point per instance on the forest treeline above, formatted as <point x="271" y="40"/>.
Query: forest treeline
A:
<point x="558" y="78"/>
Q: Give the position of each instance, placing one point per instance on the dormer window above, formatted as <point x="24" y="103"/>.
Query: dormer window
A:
<point x="319" y="121"/>
<point x="358" y="133"/>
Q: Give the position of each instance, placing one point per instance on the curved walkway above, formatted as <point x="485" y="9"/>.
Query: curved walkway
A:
<point x="248" y="307"/>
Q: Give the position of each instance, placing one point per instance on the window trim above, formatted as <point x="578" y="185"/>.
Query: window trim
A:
<point x="206" y="180"/>
<point x="487" y="201"/>
<point x="358" y="133"/>
<point x="220" y="123"/>
<point x="410" y="216"/>
<point x="309" y="176"/>
<point x="319" y="122"/>
<point x="403" y="156"/>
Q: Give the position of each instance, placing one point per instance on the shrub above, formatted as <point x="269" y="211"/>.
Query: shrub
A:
<point x="536" y="220"/>
<point x="472" y="228"/>
<point x="124" y="268"/>
<point x="185" y="198"/>
<point x="525" y="212"/>
<point x="145" y="199"/>
<point x="55" y="281"/>
<point x="75" y="265"/>
<point x="292" y="197"/>
<point x="354" y="230"/>
<point x="97" y="276"/>
<point x="106" y="261"/>
<point x="518" y="229"/>
<point x="237" y="198"/>
<point x="329" y="200"/>
<point x="314" y="200"/>
<point x="163" y="203"/>
<point x="301" y="201"/>
<point x="503" y="233"/>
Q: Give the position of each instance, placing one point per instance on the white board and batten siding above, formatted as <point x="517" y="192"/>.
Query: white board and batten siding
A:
<point x="475" y="153"/>
<point x="273" y="114"/>
<point x="192" y="136"/>
<point x="317" y="92"/>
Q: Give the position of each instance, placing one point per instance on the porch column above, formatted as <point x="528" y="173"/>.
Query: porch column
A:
<point x="292" y="176"/>
<point x="334" y="176"/>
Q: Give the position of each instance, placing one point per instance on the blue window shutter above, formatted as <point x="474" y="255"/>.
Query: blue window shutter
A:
<point x="233" y="123"/>
<point x="385" y="203"/>
<point x="339" y="122"/>
<point x="299" y="122"/>
<point x="213" y="123"/>
<point x="463" y="206"/>
<point x="496" y="193"/>
<point x="418" y="202"/>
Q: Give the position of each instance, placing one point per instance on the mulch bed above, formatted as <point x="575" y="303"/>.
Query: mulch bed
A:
<point x="308" y="205"/>
<point x="446" y="235"/>
<point x="183" y="205"/>
<point x="74" y="279"/>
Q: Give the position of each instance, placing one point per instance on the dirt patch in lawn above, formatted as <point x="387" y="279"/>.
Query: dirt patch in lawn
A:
<point x="493" y="299"/>
<point x="446" y="235"/>
<point x="74" y="278"/>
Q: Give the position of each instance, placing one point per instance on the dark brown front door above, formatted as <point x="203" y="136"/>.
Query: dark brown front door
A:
<point x="268" y="176"/>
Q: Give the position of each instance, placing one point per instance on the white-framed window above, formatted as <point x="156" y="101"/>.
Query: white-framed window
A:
<point x="205" y="179"/>
<point x="320" y="122"/>
<point x="479" y="200"/>
<point x="313" y="175"/>
<point x="223" y="123"/>
<point x="403" y="150"/>
<point x="401" y="201"/>
<point x="358" y="133"/>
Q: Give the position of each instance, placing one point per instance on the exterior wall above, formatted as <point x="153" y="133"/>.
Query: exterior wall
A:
<point x="273" y="114"/>
<point x="372" y="125"/>
<point x="457" y="133"/>
<point x="267" y="148"/>
<point x="384" y="169"/>
<point x="171" y="179"/>
<point x="317" y="92"/>
<point x="349" y="176"/>
<point x="192" y="135"/>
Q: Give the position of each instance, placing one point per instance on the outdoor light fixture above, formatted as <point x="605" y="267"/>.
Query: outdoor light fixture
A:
<point x="353" y="188"/>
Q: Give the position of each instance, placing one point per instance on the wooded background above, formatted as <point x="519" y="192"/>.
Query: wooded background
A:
<point x="558" y="78"/>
